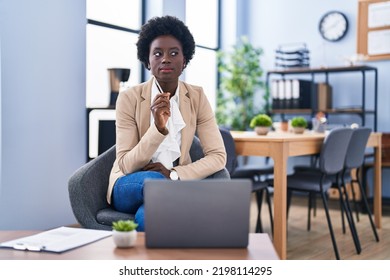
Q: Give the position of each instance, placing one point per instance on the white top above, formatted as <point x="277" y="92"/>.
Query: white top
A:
<point x="169" y="149"/>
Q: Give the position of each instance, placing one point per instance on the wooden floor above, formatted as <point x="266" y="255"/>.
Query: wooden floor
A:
<point x="317" y="245"/>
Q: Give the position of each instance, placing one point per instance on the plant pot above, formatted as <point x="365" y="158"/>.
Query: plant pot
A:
<point x="284" y="126"/>
<point x="124" y="239"/>
<point x="262" y="130"/>
<point x="298" y="130"/>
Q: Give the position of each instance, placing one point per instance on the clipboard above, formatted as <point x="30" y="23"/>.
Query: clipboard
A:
<point x="57" y="240"/>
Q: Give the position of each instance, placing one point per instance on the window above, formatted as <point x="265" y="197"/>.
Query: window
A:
<point x="112" y="33"/>
<point x="202" y="71"/>
<point x="202" y="22"/>
<point x="204" y="25"/>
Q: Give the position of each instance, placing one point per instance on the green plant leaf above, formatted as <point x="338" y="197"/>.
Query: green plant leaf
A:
<point x="299" y="122"/>
<point x="241" y="76"/>
<point x="124" y="225"/>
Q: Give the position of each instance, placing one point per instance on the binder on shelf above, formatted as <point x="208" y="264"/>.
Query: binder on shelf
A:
<point x="281" y="94"/>
<point x="324" y="96"/>
<point x="303" y="97"/>
<point x="275" y="94"/>
<point x="288" y="94"/>
<point x="300" y="94"/>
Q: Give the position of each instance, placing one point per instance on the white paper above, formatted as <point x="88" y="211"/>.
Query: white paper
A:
<point x="378" y="42"/>
<point x="379" y="14"/>
<point x="57" y="240"/>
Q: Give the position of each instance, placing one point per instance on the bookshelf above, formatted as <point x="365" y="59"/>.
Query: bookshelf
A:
<point x="364" y="70"/>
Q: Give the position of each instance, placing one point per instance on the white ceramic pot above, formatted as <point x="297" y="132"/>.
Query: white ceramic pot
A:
<point x="124" y="239"/>
<point x="299" y="130"/>
<point x="262" y="130"/>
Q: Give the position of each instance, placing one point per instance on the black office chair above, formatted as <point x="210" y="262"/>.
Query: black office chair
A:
<point x="258" y="187"/>
<point x="354" y="160"/>
<point x="331" y="162"/>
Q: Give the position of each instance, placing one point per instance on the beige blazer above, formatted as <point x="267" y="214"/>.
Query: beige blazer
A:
<point x="137" y="140"/>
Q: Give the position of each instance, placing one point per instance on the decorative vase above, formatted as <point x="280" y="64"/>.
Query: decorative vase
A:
<point x="124" y="239"/>
<point x="299" y="130"/>
<point x="262" y="130"/>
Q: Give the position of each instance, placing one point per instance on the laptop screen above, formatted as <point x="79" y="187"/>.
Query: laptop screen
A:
<point x="199" y="213"/>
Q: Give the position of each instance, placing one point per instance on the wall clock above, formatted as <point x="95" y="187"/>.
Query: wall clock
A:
<point x="333" y="26"/>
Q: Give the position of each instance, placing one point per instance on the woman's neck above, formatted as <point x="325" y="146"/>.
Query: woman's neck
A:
<point x="169" y="87"/>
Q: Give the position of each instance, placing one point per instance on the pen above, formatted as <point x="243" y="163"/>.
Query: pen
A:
<point x="159" y="87"/>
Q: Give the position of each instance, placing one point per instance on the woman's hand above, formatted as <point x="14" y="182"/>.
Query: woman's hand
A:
<point x="161" y="110"/>
<point x="157" y="166"/>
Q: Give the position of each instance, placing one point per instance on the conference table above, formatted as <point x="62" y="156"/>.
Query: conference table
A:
<point x="282" y="145"/>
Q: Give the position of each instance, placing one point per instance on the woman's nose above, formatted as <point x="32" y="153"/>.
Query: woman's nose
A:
<point x="166" y="58"/>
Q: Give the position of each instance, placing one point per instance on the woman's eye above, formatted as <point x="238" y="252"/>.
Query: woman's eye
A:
<point x="157" y="54"/>
<point x="174" y="53"/>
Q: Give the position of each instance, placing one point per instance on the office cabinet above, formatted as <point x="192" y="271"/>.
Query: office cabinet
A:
<point x="366" y="72"/>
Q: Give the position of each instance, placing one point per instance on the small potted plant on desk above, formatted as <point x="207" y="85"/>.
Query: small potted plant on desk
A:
<point x="124" y="233"/>
<point x="261" y="123"/>
<point x="299" y="124"/>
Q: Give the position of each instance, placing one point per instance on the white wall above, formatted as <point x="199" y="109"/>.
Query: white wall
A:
<point x="43" y="117"/>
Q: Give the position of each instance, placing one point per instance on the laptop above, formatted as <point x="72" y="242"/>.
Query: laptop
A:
<point x="209" y="213"/>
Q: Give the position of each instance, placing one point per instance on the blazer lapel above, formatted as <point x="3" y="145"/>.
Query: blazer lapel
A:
<point x="144" y="115"/>
<point x="185" y="110"/>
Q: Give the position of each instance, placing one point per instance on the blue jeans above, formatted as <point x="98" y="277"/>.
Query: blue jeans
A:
<point x="128" y="194"/>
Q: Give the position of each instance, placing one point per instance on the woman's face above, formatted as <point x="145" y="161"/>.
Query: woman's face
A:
<point x="166" y="59"/>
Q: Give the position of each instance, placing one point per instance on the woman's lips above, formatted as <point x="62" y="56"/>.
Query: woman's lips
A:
<point x="166" y="70"/>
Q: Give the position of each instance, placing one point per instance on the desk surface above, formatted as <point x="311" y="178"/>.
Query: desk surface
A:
<point x="260" y="248"/>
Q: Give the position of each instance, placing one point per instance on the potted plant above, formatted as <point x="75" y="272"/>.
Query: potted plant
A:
<point x="299" y="124"/>
<point x="240" y="78"/>
<point x="124" y="233"/>
<point x="261" y="123"/>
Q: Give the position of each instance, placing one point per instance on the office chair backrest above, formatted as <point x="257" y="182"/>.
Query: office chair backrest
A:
<point x="357" y="147"/>
<point x="334" y="150"/>
<point x="231" y="160"/>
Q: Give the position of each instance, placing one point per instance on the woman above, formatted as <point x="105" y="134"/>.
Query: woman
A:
<point x="156" y="121"/>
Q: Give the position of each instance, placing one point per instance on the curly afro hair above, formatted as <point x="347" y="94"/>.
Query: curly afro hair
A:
<point x="166" y="25"/>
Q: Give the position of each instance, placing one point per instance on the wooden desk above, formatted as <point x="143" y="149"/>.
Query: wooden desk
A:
<point x="260" y="248"/>
<point x="280" y="146"/>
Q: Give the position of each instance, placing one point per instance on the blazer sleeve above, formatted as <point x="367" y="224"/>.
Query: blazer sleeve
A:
<point x="210" y="138"/>
<point x="132" y="151"/>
